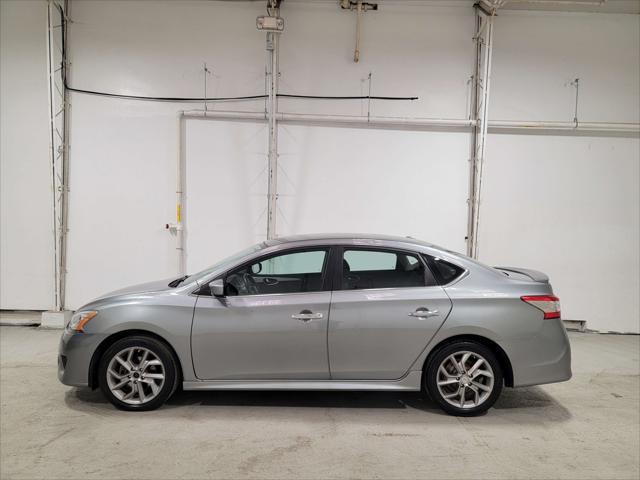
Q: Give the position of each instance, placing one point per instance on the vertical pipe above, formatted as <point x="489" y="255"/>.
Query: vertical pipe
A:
<point x="180" y="231"/>
<point x="475" y="96"/>
<point x="356" y="54"/>
<point x="576" y="83"/>
<point x="205" y="85"/>
<point x="65" y="156"/>
<point x="52" y="152"/>
<point x="272" y="107"/>
<point x="369" y="99"/>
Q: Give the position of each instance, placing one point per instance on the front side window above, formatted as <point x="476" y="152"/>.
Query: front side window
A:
<point x="294" y="272"/>
<point x="226" y="262"/>
<point x="363" y="269"/>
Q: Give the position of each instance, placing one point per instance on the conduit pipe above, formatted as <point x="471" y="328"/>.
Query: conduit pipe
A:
<point x="412" y="123"/>
<point x="336" y="120"/>
<point x="588" y="3"/>
<point x="632" y="129"/>
<point x="180" y="197"/>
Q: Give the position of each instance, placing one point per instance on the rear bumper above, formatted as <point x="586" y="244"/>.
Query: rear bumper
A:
<point x="74" y="357"/>
<point x="545" y="358"/>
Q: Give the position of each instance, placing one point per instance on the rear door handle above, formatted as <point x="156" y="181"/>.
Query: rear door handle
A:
<point x="306" y="316"/>
<point x="424" y="313"/>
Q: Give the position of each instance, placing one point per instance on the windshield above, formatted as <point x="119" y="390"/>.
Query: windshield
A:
<point x="227" y="261"/>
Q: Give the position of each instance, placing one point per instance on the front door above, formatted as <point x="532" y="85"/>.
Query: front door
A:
<point x="272" y="323"/>
<point x="385" y="309"/>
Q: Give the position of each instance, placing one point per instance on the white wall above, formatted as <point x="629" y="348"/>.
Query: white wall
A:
<point x="26" y="216"/>
<point x="122" y="184"/>
<point x="410" y="50"/>
<point x="124" y="152"/>
<point x="358" y="180"/>
<point x="537" y="54"/>
<point x="226" y="184"/>
<point x="568" y="206"/>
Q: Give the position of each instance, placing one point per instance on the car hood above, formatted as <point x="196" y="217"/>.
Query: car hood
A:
<point x="156" y="286"/>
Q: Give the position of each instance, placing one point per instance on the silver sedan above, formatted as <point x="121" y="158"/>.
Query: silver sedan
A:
<point x="333" y="312"/>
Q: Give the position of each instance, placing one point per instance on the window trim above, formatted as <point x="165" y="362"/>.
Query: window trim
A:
<point x="327" y="282"/>
<point x="430" y="280"/>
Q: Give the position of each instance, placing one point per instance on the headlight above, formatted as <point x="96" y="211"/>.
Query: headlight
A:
<point x="79" y="320"/>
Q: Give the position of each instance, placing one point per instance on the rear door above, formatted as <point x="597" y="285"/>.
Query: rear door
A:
<point x="385" y="308"/>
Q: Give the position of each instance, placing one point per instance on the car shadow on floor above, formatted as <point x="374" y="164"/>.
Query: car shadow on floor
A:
<point x="307" y="399"/>
<point x="530" y="400"/>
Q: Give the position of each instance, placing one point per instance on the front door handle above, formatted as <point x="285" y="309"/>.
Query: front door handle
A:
<point x="306" y="315"/>
<point x="424" y="313"/>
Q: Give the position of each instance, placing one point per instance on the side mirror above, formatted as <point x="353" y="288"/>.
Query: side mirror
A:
<point x="217" y="287"/>
<point x="256" y="268"/>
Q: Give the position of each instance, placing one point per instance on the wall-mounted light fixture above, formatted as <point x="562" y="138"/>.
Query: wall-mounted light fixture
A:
<point x="270" y="24"/>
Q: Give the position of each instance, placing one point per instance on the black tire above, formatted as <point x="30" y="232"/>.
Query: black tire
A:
<point x="157" y="348"/>
<point x="431" y="378"/>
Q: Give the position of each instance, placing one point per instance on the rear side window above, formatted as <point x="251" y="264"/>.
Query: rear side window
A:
<point x="444" y="271"/>
<point x="363" y="269"/>
<point x="367" y="260"/>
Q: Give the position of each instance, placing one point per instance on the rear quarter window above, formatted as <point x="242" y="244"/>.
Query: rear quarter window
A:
<point x="445" y="272"/>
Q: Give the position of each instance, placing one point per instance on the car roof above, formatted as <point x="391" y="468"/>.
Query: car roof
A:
<point x="347" y="236"/>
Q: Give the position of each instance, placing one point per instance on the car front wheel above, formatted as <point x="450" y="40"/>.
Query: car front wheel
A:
<point x="464" y="378"/>
<point x="137" y="373"/>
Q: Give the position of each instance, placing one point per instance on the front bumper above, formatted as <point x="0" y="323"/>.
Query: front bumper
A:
<point x="74" y="357"/>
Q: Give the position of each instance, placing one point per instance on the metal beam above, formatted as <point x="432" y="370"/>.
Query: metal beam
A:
<point x="480" y="114"/>
<point x="597" y="129"/>
<point x="58" y="71"/>
<point x="272" y="110"/>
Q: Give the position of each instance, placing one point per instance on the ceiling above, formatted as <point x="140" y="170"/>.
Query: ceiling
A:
<point x="608" y="6"/>
<point x="594" y="6"/>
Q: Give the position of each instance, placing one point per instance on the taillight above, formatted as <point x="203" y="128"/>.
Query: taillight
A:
<point x="549" y="304"/>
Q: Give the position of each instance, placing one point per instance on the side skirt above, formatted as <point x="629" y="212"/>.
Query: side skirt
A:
<point x="411" y="382"/>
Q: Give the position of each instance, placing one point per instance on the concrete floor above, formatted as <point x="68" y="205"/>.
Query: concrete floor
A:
<point x="585" y="428"/>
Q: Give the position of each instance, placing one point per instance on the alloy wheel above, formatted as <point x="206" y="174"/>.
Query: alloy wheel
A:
<point x="135" y="375"/>
<point x="465" y="379"/>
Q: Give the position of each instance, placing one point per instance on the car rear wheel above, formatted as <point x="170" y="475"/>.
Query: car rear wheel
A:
<point x="464" y="378"/>
<point x="138" y="373"/>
